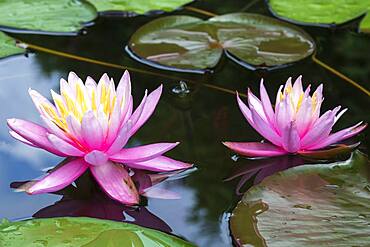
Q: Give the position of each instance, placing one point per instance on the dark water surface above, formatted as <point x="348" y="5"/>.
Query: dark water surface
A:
<point x="200" y="120"/>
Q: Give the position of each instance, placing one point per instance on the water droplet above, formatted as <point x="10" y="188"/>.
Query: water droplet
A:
<point x="235" y="157"/>
<point x="181" y="89"/>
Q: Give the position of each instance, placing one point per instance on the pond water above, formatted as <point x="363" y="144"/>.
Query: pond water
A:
<point x="200" y="119"/>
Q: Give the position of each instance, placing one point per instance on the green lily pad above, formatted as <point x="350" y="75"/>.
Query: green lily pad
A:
<point x="137" y="6"/>
<point x="53" y="16"/>
<point x="81" y="231"/>
<point x="7" y="46"/>
<point x="310" y="205"/>
<point x="188" y="43"/>
<point x="328" y="12"/>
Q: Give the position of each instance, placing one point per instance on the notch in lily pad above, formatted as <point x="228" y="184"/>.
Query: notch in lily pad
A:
<point x="328" y="13"/>
<point x="189" y="44"/>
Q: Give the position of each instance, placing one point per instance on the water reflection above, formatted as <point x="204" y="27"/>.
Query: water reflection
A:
<point x="86" y="199"/>
<point x="251" y="172"/>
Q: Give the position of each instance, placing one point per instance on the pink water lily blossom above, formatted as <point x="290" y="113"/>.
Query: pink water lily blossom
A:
<point x="93" y="122"/>
<point x="293" y="125"/>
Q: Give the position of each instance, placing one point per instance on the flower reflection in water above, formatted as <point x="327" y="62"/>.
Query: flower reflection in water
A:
<point x="86" y="199"/>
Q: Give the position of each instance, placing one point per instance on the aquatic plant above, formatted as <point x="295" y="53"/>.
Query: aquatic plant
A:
<point x="294" y="126"/>
<point x="92" y="123"/>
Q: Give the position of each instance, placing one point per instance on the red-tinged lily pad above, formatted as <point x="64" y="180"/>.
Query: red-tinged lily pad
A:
<point x="187" y="43"/>
<point x="331" y="152"/>
<point x="80" y="231"/>
<point x="310" y="205"/>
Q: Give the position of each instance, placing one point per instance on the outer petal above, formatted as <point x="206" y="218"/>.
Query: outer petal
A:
<point x="255" y="103"/>
<point x="245" y="110"/>
<point x="60" y="178"/>
<point x="160" y="164"/>
<point x="91" y="130"/>
<point x="116" y="182"/>
<point x="150" y="104"/>
<point x="33" y="133"/>
<point x="264" y="129"/>
<point x="255" y="149"/>
<point x="266" y="103"/>
<point x="339" y="136"/>
<point x="142" y="153"/>
<point x="319" y="130"/>
<point x="64" y="146"/>
<point x="124" y="91"/>
<point x="21" y="139"/>
<point x="291" y="139"/>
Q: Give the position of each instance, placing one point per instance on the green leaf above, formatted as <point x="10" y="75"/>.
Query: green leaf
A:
<point x="7" y="46"/>
<point x="326" y="12"/>
<point x="137" y="6"/>
<point x="191" y="44"/>
<point x="81" y="231"/>
<point x="46" y="15"/>
<point x="310" y="205"/>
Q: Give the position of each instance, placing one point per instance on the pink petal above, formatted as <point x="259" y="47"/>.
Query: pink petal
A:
<point x="64" y="146"/>
<point x="21" y="139"/>
<point x="256" y="104"/>
<point x="255" y="149"/>
<point x="124" y="90"/>
<point x="96" y="158"/>
<point x="39" y="100"/>
<point x="116" y="182"/>
<point x="284" y="114"/>
<point x="291" y="139"/>
<point x="91" y="130"/>
<point x="33" y="133"/>
<point x="121" y="139"/>
<point x="54" y="129"/>
<point x="266" y="130"/>
<point x="339" y="136"/>
<point x="114" y="124"/>
<point x="266" y="103"/>
<point x="319" y="131"/>
<point x="60" y="178"/>
<point x="304" y="117"/>
<point x="142" y="153"/>
<point x="160" y="164"/>
<point x="245" y="110"/>
<point x="148" y="109"/>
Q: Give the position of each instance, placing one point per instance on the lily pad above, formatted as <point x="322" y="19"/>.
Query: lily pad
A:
<point x="310" y="205"/>
<point x="82" y="231"/>
<point x="137" y="6"/>
<point x="7" y="46"/>
<point x="53" y="16"/>
<point x="328" y="12"/>
<point x="191" y="44"/>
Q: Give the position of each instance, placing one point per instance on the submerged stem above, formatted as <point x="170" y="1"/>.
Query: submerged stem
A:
<point x="340" y="75"/>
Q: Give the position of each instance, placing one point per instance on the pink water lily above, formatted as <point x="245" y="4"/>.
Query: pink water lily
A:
<point x="294" y="126"/>
<point x="93" y="122"/>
